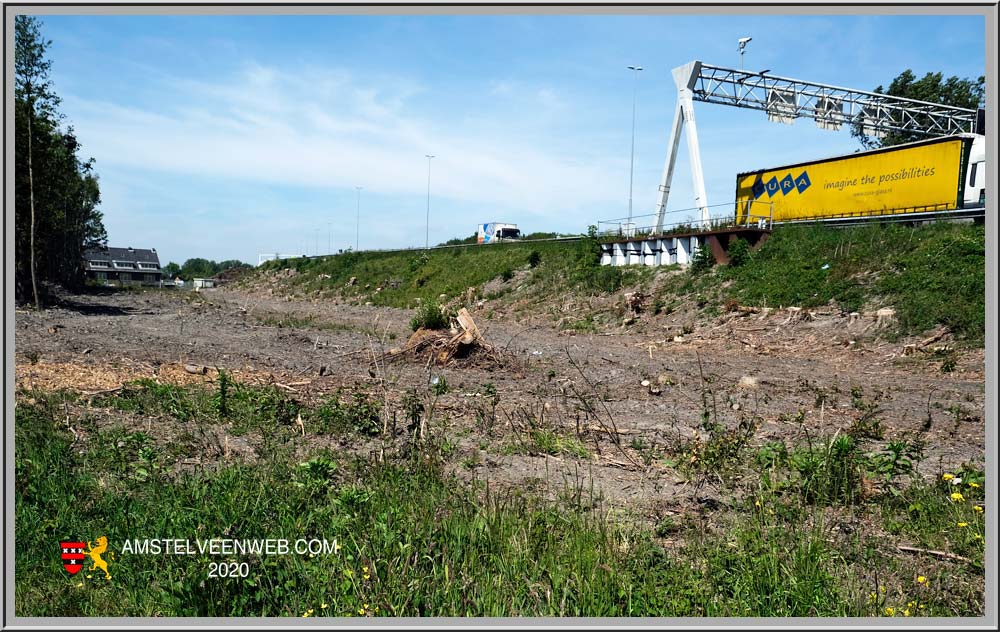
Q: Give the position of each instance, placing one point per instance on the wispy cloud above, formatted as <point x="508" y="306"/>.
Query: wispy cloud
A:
<point x="328" y="129"/>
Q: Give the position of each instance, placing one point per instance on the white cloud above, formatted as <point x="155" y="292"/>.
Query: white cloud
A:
<point x="327" y="129"/>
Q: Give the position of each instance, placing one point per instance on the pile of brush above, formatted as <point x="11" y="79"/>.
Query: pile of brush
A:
<point x="444" y="347"/>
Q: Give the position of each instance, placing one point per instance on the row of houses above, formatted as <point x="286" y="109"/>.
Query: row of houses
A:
<point x="131" y="266"/>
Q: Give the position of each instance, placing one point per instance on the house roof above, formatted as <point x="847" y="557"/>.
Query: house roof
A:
<point x="135" y="255"/>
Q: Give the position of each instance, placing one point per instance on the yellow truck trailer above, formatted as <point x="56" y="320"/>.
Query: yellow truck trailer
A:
<point x="939" y="174"/>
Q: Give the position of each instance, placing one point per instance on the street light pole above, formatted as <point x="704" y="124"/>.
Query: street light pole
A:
<point x="357" y="229"/>
<point x="635" y="74"/>
<point x="427" y="237"/>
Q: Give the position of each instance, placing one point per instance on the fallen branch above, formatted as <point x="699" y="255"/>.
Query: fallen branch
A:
<point x="942" y="554"/>
<point x="104" y="392"/>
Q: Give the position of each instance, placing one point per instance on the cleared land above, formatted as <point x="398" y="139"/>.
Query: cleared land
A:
<point x="696" y="453"/>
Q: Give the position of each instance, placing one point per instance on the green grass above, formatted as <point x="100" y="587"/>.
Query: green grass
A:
<point x="932" y="274"/>
<point x="417" y="542"/>
<point x="406" y="276"/>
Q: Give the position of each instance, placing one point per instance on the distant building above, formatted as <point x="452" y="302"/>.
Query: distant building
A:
<point x="203" y="283"/>
<point x="123" y="266"/>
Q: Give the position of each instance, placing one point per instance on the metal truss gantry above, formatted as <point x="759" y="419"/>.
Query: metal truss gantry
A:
<point x="787" y="99"/>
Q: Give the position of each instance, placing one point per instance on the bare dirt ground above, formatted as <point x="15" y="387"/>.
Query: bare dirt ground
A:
<point x="795" y="375"/>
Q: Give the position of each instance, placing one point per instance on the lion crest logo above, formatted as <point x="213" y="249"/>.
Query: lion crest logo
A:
<point x="95" y="552"/>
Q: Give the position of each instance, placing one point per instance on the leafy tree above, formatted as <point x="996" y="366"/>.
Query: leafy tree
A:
<point x="932" y="88"/>
<point x="204" y="268"/>
<point x="56" y="193"/>
<point x="171" y="270"/>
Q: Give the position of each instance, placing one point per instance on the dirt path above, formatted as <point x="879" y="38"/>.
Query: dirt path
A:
<point x="793" y="376"/>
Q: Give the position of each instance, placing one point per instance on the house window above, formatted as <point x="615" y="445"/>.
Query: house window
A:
<point x="98" y="264"/>
<point x="151" y="278"/>
<point x="126" y="265"/>
<point x="103" y="276"/>
<point x="149" y="266"/>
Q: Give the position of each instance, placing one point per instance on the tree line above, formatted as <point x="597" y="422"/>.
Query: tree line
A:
<point x="56" y="192"/>
<point x="198" y="268"/>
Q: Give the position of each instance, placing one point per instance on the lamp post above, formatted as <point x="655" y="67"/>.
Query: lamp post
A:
<point x="427" y="236"/>
<point x="357" y="229"/>
<point x="635" y="74"/>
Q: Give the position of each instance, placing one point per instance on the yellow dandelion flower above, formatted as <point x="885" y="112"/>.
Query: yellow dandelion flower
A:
<point x="921" y="606"/>
<point x="962" y="525"/>
<point x="921" y="580"/>
<point x="889" y="610"/>
<point x="957" y="497"/>
<point x="947" y="477"/>
<point x="365" y="606"/>
<point x="361" y="610"/>
<point x="906" y="612"/>
<point x="978" y="508"/>
<point x="977" y="537"/>
<point x="911" y="604"/>
<point x="757" y="503"/>
<point x="973" y="484"/>
<point x="305" y="614"/>
<point x="364" y="569"/>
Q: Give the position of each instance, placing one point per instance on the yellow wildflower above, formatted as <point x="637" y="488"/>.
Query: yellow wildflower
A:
<point x="973" y="484"/>
<point x="957" y="497"/>
<point x="977" y="537"/>
<point x="962" y="525"/>
<point x="978" y="508"/>
<point x="921" y="580"/>
<point x="80" y="585"/>
<point x="881" y="589"/>
<point x="872" y="597"/>
<point x="889" y="610"/>
<point x="89" y="576"/>
<point x="361" y="610"/>
<point x="906" y="612"/>
<point x="947" y="477"/>
<point x="323" y="606"/>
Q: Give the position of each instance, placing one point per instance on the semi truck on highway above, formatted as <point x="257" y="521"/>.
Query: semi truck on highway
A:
<point x="940" y="174"/>
<point x="496" y="231"/>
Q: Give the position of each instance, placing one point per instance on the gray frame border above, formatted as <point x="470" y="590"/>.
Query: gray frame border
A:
<point x="988" y="10"/>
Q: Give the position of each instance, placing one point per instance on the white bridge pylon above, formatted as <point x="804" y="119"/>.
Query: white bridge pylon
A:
<point x="685" y="78"/>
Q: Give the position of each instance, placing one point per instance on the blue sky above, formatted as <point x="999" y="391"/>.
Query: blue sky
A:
<point x="228" y="136"/>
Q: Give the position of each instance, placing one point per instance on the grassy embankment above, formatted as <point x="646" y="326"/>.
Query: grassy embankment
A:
<point x="804" y="529"/>
<point x="931" y="275"/>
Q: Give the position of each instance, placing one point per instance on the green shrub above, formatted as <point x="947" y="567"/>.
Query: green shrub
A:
<point x="739" y="252"/>
<point x="429" y="316"/>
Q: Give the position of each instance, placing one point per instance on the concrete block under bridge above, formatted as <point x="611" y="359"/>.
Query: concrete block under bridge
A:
<point x="678" y="248"/>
